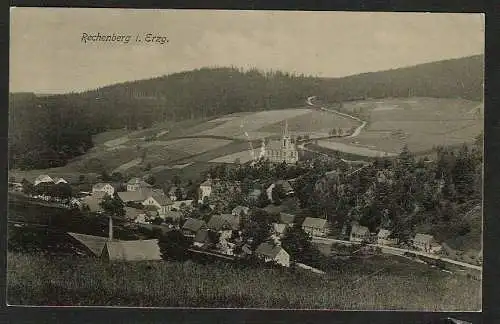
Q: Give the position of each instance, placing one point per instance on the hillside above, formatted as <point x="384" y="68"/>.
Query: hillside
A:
<point x="47" y="131"/>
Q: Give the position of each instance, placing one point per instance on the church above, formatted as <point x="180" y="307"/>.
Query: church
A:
<point x="278" y="151"/>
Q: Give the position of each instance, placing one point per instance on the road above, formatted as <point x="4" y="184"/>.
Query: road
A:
<point x="356" y="132"/>
<point x="398" y="251"/>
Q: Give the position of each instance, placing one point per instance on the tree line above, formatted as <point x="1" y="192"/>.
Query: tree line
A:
<point x="48" y="131"/>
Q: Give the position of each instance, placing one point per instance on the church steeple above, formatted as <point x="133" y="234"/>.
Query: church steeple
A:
<point x="286" y="137"/>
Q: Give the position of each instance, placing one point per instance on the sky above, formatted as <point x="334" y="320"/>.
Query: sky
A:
<point x="47" y="54"/>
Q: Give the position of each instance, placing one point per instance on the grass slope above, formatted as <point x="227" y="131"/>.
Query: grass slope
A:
<point x="37" y="280"/>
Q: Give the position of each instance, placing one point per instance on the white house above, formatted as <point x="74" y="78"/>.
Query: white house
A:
<point x="359" y="234"/>
<point x="103" y="187"/>
<point x="273" y="253"/>
<point x="43" y="179"/>
<point x="426" y="243"/>
<point x="383" y="237"/>
<point x="136" y="184"/>
<point x="205" y="189"/>
<point x="315" y="226"/>
<point x="162" y="203"/>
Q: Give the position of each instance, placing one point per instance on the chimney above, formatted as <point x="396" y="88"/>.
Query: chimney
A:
<point x="110" y="238"/>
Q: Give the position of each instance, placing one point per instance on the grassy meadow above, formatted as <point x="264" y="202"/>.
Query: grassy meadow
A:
<point x="40" y="280"/>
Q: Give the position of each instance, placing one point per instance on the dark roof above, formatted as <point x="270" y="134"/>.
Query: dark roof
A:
<point x="140" y="250"/>
<point x="94" y="243"/>
<point x="193" y="224"/>
<point x="314" y="222"/>
<point x="135" y="196"/>
<point x="138" y="181"/>
<point x="268" y="249"/>
<point x="287" y="218"/>
<point x="217" y="222"/>
<point x="201" y="236"/>
<point x="238" y="209"/>
<point x="163" y="200"/>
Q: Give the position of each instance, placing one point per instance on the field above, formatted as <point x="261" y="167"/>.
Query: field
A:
<point x="236" y="127"/>
<point x="420" y="123"/>
<point x="367" y="284"/>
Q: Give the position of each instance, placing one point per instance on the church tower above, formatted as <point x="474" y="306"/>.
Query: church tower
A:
<point x="286" y="137"/>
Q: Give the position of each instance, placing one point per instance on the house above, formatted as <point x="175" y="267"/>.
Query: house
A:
<point x="134" y="196"/>
<point x="95" y="244"/>
<point x="273" y="253"/>
<point x="240" y="209"/>
<point x="136" y="184"/>
<point x="103" y="188"/>
<point x="138" y="250"/>
<point x="201" y="238"/>
<point x="162" y="203"/>
<point x="359" y="234"/>
<point x="142" y="218"/>
<point x="205" y="189"/>
<point x="426" y="243"/>
<point x="315" y="226"/>
<point x="43" y="179"/>
<point x="224" y="224"/>
<point x="383" y="237"/>
<point x="279" y="229"/>
<point x="192" y="226"/>
<point x="287" y="188"/>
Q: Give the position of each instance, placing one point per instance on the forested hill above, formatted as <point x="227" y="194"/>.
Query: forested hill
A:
<point x="46" y="131"/>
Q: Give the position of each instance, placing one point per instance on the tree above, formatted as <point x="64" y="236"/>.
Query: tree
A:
<point x="298" y="244"/>
<point x="81" y="178"/>
<point x="262" y="200"/>
<point x="278" y="194"/>
<point x="113" y="206"/>
<point x="150" y="179"/>
<point x="174" y="245"/>
<point x="179" y="194"/>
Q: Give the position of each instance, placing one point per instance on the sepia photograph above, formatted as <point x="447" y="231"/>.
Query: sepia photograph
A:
<point x="240" y="159"/>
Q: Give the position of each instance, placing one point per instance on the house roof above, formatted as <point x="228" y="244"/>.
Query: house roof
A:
<point x="279" y="227"/>
<point x="138" y="181"/>
<point x="140" y="250"/>
<point x="93" y="203"/>
<point x="360" y="230"/>
<point x="161" y="199"/>
<point x="423" y="238"/>
<point x="383" y="233"/>
<point x="217" y="222"/>
<point x="193" y="224"/>
<point x="127" y="196"/>
<point x="268" y="249"/>
<point x="314" y="222"/>
<point x="287" y="218"/>
<point x="43" y="178"/>
<point x="201" y="236"/>
<point x="287" y="187"/>
<point x="100" y="186"/>
<point x="94" y="243"/>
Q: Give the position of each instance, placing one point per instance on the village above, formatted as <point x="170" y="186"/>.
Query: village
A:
<point x="222" y="218"/>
